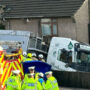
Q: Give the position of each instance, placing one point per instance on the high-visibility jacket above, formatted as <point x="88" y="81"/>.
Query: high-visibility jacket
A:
<point x="51" y="84"/>
<point x="42" y="82"/>
<point x="36" y="76"/>
<point x="27" y="59"/>
<point x="23" y="58"/>
<point x="43" y="86"/>
<point x="31" y="84"/>
<point x="13" y="83"/>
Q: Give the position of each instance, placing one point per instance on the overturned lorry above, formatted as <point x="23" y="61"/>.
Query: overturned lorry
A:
<point x="66" y="54"/>
<point x="70" y="61"/>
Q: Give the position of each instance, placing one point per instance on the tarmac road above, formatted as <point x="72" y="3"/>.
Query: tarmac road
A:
<point x="65" y="88"/>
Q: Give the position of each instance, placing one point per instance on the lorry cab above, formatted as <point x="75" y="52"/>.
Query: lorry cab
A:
<point x="66" y="54"/>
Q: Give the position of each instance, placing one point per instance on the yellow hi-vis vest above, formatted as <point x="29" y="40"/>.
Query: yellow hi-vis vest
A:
<point x="36" y="76"/>
<point x="27" y="59"/>
<point x="51" y="84"/>
<point x="31" y="84"/>
<point x="13" y="83"/>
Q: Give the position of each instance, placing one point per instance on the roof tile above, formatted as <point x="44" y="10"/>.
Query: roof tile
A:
<point x="41" y="8"/>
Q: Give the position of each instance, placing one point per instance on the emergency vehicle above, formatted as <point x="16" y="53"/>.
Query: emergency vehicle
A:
<point x="10" y="59"/>
<point x="66" y="54"/>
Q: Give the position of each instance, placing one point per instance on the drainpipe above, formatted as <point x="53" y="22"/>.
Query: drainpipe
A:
<point x="9" y="25"/>
<point x="89" y="21"/>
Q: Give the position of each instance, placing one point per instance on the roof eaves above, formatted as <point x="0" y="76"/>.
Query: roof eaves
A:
<point x="19" y="17"/>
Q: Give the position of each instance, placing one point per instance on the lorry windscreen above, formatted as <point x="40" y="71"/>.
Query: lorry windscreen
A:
<point x="65" y="56"/>
<point x="83" y="56"/>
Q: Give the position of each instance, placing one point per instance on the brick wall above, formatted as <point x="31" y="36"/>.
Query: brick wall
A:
<point x="21" y="24"/>
<point x="82" y="21"/>
<point x="66" y="28"/>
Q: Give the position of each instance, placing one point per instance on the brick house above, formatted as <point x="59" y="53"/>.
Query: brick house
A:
<point x="47" y="18"/>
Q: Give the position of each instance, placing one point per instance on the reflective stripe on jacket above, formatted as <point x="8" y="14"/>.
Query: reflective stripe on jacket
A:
<point x="27" y="59"/>
<point x="51" y="84"/>
<point x="13" y="83"/>
<point x="36" y="76"/>
<point x="31" y="84"/>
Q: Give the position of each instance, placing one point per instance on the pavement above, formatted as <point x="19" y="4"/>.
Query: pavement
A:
<point x="66" y="88"/>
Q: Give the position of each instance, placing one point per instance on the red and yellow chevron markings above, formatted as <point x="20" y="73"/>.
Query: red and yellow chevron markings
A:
<point x="2" y="58"/>
<point x="8" y="66"/>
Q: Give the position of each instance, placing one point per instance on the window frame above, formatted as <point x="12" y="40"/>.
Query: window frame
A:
<point x="51" y="23"/>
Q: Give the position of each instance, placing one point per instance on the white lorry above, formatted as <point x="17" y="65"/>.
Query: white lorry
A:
<point x="66" y="54"/>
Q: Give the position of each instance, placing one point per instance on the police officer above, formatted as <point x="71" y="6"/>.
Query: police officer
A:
<point x="40" y="57"/>
<point x="31" y="83"/>
<point x="51" y="83"/>
<point x="32" y="70"/>
<point x="29" y="57"/>
<point x="41" y="80"/>
<point x="14" y="82"/>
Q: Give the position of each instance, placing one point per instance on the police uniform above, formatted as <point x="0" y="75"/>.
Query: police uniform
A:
<point x="51" y="83"/>
<point x="31" y="84"/>
<point x="41" y="80"/>
<point x="13" y="82"/>
<point x="36" y="74"/>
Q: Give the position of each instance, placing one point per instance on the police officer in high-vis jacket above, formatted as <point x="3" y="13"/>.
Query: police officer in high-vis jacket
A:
<point x="41" y="80"/>
<point x="31" y="83"/>
<point x="32" y="70"/>
<point x="51" y="83"/>
<point x="14" y="81"/>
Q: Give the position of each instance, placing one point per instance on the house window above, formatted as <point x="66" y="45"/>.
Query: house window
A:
<point x="49" y="27"/>
<point x="2" y="27"/>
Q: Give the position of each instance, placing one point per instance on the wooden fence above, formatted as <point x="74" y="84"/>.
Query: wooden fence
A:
<point x="73" y="79"/>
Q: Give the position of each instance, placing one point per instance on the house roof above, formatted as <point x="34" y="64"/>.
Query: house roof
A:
<point x="40" y="8"/>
